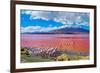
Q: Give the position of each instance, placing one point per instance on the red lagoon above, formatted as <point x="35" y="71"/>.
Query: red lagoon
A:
<point x="70" y="42"/>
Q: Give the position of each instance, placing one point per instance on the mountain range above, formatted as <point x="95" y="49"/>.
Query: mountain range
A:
<point x="66" y="30"/>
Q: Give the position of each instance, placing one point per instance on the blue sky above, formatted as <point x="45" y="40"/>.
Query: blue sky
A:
<point x="41" y="21"/>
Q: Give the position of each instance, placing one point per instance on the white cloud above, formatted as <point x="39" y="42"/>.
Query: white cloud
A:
<point x="26" y="12"/>
<point x="36" y="29"/>
<point x="37" y="14"/>
<point x="66" y="18"/>
<point x="38" y="17"/>
<point x="40" y="29"/>
<point x="84" y="23"/>
<point x="30" y="29"/>
<point x="79" y="20"/>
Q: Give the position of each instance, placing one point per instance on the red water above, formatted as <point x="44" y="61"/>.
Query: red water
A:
<point x="75" y="42"/>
